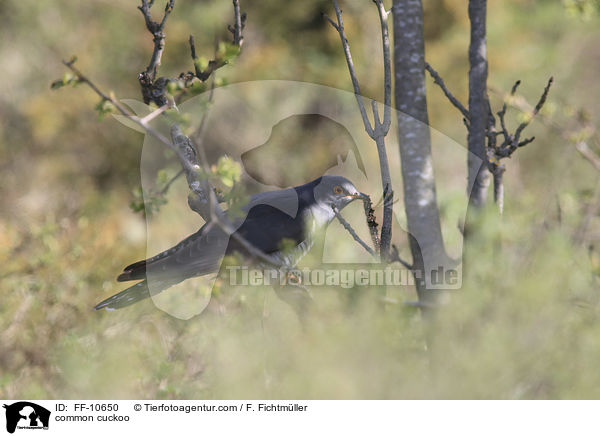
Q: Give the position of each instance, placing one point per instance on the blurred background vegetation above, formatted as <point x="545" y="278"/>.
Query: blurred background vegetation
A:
<point x="525" y="325"/>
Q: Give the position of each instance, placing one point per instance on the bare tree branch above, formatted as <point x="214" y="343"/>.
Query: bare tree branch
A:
<point x="165" y="188"/>
<point x="352" y="232"/>
<point x="204" y="200"/>
<point x="437" y="79"/>
<point x="153" y="89"/>
<point x="81" y="78"/>
<point x="584" y="149"/>
<point x="240" y="19"/>
<point x="156" y="30"/>
<point x="198" y="135"/>
<point x="203" y="72"/>
<point x="380" y="128"/>
<point x="122" y="109"/>
<point x="492" y="152"/>
<point x="387" y="67"/>
<point x="395" y="257"/>
<point x="513" y="141"/>
<point x="497" y="152"/>
<point x="339" y="27"/>
<point x="536" y="110"/>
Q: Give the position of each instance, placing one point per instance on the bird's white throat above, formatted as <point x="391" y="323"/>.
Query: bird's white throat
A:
<point x="321" y="214"/>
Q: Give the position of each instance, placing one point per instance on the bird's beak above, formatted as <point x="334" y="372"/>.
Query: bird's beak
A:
<point x="358" y="195"/>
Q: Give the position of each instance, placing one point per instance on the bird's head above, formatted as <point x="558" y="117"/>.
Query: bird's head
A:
<point x="336" y="191"/>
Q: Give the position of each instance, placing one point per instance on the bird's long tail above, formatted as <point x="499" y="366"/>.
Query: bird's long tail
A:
<point x="125" y="298"/>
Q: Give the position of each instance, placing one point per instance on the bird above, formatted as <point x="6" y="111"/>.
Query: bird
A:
<point x="268" y="220"/>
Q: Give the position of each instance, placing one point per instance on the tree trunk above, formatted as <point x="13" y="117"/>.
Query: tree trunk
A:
<point x="478" y="177"/>
<point x="426" y="242"/>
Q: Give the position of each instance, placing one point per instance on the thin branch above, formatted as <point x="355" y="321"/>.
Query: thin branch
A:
<point x="182" y="149"/>
<point x="168" y="10"/>
<point x="584" y="149"/>
<point x="387" y="66"/>
<point x="165" y="189"/>
<point x="240" y="19"/>
<point x="388" y="201"/>
<point x="510" y="143"/>
<point x="81" y="78"/>
<point x="198" y="135"/>
<point x="526" y="141"/>
<point x="181" y="145"/>
<point x="514" y="88"/>
<point x="194" y="56"/>
<point x="220" y="60"/>
<point x="437" y="79"/>
<point x="339" y="27"/>
<point x="513" y="141"/>
<point x="395" y="257"/>
<point x="154" y="114"/>
<point x="379" y="129"/>
<point x="536" y="110"/>
<point x="153" y="89"/>
<point x="350" y="230"/>
<point x="333" y="23"/>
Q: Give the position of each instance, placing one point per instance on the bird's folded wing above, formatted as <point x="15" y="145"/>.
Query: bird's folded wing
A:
<point x="198" y="254"/>
<point x="270" y="218"/>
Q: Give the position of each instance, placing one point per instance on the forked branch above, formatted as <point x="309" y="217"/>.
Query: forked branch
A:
<point x="496" y="151"/>
<point x="380" y="127"/>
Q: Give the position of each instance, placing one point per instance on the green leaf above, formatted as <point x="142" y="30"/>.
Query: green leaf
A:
<point x="227" y="51"/>
<point x="201" y="63"/>
<point x="197" y="87"/>
<point x="57" y="84"/>
<point x="228" y="170"/>
<point x="67" y="79"/>
<point x="103" y="108"/>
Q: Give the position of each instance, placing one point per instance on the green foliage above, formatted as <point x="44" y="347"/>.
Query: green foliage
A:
<point x="197" y="87"/>
<point x="103" y="108"/>
<point x="149" y="202"/>
<point x="228" y="171"/>
<point x="67" y="79"/>
<point x="236" y="199"/>
<point x="201" y="63"/>
<point x="227" y="52"/>
<point x="585" y="9"/>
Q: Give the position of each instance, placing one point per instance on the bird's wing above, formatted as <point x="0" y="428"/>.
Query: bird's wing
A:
<point x="270" y="217"/>
<point x="266" y="227"/>
<point x="286" y="200"/>
<point x="198" y="254"/>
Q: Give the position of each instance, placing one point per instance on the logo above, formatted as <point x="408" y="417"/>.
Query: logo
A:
<point x="26" y="415"/>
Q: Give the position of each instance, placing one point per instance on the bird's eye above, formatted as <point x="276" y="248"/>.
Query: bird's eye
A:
<point x="338" y="190"/>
